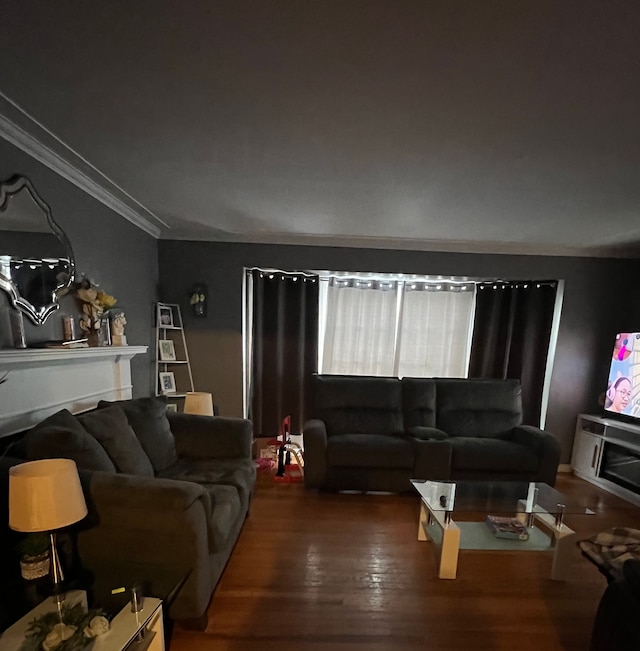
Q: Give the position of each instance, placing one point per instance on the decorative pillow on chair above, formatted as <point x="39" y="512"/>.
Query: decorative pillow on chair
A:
<point x="110" y="427"/>
<point x="148" y="419"/>
<point x="61" y="435"/>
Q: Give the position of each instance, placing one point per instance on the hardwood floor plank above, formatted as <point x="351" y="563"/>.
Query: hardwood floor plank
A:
<point x="327" y="572"/>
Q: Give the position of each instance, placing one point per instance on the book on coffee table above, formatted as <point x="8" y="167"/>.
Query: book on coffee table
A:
<point x="507" y="527"/>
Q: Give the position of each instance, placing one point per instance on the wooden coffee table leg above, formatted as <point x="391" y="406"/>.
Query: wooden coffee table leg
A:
<point x="449" y="551"/>
<point x="450" y="546"/>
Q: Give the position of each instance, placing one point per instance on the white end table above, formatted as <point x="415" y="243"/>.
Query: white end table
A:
<point x="129" y="631"/>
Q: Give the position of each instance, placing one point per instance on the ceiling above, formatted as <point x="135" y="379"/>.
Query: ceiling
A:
<point x="494" y="126"/>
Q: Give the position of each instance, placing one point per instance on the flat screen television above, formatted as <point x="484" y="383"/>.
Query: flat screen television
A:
<point x="623" y="388"/>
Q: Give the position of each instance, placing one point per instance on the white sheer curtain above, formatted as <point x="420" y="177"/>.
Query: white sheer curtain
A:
<point x="435" y="330"/>
<point x="360" y="327"/>
<point x="381" y="327"/>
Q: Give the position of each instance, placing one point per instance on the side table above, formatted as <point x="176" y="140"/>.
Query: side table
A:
<point x="141" y="631"/>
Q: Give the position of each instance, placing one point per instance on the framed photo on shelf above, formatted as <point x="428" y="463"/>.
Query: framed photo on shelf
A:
<point x="172" y="407"/>
<point x="166" y="316"/>
<point x="167" y="383"/>
<point x="167" y="350"/>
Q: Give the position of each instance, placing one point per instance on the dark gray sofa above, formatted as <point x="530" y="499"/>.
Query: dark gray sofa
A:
<point x="373" y="433"/>
<point x="165" y="491"/>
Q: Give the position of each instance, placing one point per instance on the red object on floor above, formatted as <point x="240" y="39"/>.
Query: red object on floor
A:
<point x="291" y="474"/>
<point x="265" y="463"/>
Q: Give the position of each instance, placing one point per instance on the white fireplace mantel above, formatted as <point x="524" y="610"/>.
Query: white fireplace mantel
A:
<point x="40" y="382"/>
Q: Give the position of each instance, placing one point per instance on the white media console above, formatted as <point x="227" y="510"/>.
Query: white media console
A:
<point x="606" y="452"/>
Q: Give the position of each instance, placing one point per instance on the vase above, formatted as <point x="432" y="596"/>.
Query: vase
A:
<point x="93" y="338"/>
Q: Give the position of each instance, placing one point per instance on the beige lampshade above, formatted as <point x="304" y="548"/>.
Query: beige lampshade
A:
<point x="198" y="402"/>
<point x="45" y="495"/>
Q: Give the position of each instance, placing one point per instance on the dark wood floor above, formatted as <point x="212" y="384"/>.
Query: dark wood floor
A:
<point x="324" y="572"/>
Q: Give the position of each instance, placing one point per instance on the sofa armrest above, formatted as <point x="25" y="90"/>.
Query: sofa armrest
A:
<point x="314" y="436"/>
<point x="631" y="573"/>
<point x="427" y="433"/>
<point x="546" y="447"/>
<point x="211" y="437"/>
<point x="615" y="627"/>
<point x="143" y="503"/>
<point x="149" y="522"/>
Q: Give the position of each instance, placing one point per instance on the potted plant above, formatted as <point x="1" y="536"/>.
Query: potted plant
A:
<point x="34" y="556"/>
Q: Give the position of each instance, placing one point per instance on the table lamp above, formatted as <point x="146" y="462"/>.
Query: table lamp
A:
<point x="198" y="402"/>
<point x="45" y="496"/>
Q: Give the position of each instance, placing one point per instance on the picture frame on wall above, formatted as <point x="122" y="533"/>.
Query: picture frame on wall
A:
<point x="167" y="350"/>
<point x="166" y="316"/>
<point x="167" y="383"/>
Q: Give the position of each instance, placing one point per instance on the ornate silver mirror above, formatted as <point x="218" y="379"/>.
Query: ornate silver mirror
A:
<point x="36" y="259"/>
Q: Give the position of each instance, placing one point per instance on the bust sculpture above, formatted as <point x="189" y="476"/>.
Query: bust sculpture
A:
<point x="117" y="329"/>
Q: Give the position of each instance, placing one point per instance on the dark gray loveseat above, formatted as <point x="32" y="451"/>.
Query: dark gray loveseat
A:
<point x="165" y="491"/>
<point x="373" y="433"/>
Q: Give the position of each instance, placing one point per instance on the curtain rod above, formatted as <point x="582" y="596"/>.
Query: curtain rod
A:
<point x="268" y="270"/>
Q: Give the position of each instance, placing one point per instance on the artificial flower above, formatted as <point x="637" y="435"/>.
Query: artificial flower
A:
<point x="58" y="634"/>
<point x="95" y="302"/>
<point x="98" y="625"/>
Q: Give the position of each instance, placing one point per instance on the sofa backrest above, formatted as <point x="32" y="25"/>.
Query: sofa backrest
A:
<point x="418" y="402"/>
<point x="470" y="407"/>
<point x="350" y="404"/>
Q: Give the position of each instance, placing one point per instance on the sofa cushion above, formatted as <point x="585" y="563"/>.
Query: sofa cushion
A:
<point x="148" y="419"/>
<point x="61" y="435"/>
<point x="370" y="451"/>
<point x="239" y="473"/>
<point x="359" y="405"/>
<point x="418" y="402"/>
<point x="487" y="454"/>
<point x="478" y="407"/>
<point x="110" y="427"/>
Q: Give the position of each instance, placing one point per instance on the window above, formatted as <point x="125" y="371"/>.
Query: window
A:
<point x="395" y="327"/>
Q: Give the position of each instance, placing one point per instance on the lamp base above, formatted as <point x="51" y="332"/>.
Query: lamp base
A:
<point x="57" y="575"/>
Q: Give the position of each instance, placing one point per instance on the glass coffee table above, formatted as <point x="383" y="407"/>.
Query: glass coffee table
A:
<point x="536" y="505"/>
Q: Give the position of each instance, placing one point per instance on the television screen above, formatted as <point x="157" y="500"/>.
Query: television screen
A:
<point x="623" y="388"/>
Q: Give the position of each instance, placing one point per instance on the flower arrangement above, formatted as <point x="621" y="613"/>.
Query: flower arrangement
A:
<point x="76" y="630"/>
<point x="95" y="304"/>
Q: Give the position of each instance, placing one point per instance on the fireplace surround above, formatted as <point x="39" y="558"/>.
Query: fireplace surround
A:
<point x="40" y="382"/>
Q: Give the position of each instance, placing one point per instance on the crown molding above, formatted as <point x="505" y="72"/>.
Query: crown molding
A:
<point x="56" y="162"/>
<point x="407" y="244"/>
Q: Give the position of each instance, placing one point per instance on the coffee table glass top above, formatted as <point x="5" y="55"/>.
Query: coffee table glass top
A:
<point x="497" y="497"/>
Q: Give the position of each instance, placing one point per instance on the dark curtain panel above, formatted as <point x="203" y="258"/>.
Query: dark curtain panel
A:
<point x="285" y="349"/>
<point x="511" y="335"/>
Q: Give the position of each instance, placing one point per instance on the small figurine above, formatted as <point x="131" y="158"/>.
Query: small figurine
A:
<point x="118" y="323"/>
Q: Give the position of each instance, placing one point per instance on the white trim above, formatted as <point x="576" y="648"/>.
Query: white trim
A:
<point x="247" y="341"/>
<point x="30" y="145"/>
<point x="41" y="382"/>
<point x="472" y="322"/>
<point x="58" y="404"/>
<point x="551" y="353"/>
<point x="37" y="356"/>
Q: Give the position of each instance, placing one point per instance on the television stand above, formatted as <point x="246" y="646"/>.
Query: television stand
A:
<point x="606" y="452"/>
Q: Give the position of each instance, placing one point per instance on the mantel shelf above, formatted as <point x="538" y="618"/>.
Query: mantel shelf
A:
<point x="29" y="356"/>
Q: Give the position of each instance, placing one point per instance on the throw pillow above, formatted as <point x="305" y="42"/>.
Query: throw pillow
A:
<point x="61" y="435"/>
<point x="148" y="419"/>
<point x="111" y="429"/>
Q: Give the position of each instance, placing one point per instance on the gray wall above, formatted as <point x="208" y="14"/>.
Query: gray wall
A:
<point x="600" y="299"/>
<point x="109" y="249"/>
